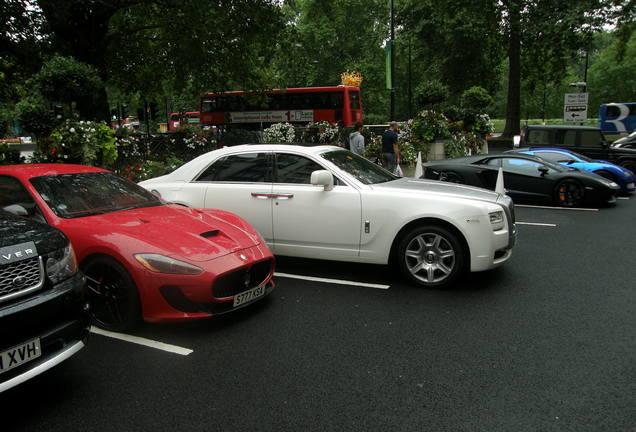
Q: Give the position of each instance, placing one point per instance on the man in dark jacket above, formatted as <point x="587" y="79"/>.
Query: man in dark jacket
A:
<point x="390" y="150"/>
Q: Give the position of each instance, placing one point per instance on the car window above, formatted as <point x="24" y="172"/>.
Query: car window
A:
<point x="522" y="166"/>
<point x="362" y="169"/>
<point x="553" y="156"/>
<point x="565" y="138"/>
<point x="291" y="168"/>
<point x="13" y="192"/>
<point x="538" y="136"/>
<point x="496" y="162"/>
<point x="591" y="139"/>
<point x="243" y="167"/>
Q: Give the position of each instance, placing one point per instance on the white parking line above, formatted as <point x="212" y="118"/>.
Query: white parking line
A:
<point x="556" y="208"/>
<point x="536" y="224"/>
<point x="333" y="281"/>
<point x="143" y="341"/>
<point x="623" y="198"/>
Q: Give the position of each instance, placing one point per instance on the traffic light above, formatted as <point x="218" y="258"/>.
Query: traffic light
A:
<point x="153" y="110"/>
<point x="58" y="110"/>
<point x="124" y="111"/>
<point x="141" y="114"/>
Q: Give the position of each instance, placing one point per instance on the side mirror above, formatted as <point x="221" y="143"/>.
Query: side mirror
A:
<point x="322" y="178"/>
<point x="516" y="140"/>
<point x="543" y="170"/>
<point x="16" y="209"/>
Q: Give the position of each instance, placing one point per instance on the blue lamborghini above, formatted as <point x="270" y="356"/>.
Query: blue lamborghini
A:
<point x="621" y="176"/>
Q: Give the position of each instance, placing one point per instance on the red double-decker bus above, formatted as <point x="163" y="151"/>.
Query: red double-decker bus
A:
<point x="294" y="105"/>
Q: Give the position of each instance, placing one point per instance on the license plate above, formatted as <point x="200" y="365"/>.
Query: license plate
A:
<point x="247" y="296"/>
<point x="18" y="355"/>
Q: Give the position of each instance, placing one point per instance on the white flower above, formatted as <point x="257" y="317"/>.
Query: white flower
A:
<point x="72" y="130"/>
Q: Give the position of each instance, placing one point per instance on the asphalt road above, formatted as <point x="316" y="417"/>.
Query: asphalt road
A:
<point x="545" y="343"/>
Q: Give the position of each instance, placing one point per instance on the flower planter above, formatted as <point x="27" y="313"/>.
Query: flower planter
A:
<point x="436" y="150"/>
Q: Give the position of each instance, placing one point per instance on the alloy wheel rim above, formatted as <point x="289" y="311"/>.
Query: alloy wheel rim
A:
<point x="430" y="257"/>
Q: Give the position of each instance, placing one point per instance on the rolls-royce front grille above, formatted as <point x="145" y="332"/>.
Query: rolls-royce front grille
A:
<point x="20" y="278"/>
<point x="240" y="280"/>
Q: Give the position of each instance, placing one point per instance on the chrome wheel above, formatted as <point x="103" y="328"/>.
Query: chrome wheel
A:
<point x="431" y="256"/>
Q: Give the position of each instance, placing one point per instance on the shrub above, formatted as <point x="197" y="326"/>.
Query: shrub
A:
<point x="83" y="142"/>
<point x="279" y="133"/>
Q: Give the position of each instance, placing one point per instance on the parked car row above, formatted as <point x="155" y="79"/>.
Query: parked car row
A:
<point x="548" y="170"/>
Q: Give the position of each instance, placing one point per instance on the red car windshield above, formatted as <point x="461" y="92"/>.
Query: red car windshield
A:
<point x="85" y="194"/>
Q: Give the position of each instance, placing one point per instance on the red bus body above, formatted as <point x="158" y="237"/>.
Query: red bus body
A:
<point x="178" y="120"/>
<point x="294" y="105"/>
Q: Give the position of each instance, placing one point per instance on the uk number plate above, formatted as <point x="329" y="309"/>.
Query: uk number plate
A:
<point x="18" y="355"/>
<point x="247" y="296"/>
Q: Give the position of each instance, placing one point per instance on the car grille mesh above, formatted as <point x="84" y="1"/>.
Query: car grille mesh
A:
<point x="19" y="276"/>
<point x="240" y="280"/>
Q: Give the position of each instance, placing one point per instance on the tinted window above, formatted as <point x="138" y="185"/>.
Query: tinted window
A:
<point x="553" y="156"/>
<point x="492" y="162"/>
<point x="591" y="139"/>
<point x="245" y="167"/>
<point x="354" y="99"/>
<point x="565" y="138"/>
<point x="521" y="166"/>
<point x="538" y="137"/>
<point x="294" y="169"/>
<point x="12" y="192"/>
<point x="85" y="194"/>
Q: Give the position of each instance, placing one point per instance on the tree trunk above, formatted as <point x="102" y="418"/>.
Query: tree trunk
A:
<point x="513" y="106"/>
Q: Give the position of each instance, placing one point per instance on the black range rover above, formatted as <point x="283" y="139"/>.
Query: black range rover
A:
<point x="43" y="310"/>
<point x="586" y="140"/>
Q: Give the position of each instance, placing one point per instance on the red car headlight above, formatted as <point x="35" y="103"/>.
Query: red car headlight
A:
<point x="163" y="264"/>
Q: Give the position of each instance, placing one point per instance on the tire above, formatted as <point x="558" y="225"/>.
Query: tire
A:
<point x="629" y="164"/>
<point x="430" y="256"/>
<point x="113" y="295"/>
<point x="451" y="177"/>
<point x="568" y="193"/>
<point x="606" y="174"/>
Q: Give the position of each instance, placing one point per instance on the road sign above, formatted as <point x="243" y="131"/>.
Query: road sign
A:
<point x="575" y="107"/>
<point x="575" y="113"/>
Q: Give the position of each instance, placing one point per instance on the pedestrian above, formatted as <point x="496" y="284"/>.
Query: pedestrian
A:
<point x="356" y="139"/>
<point x="390" y="150"/>
<point x="343" y="135"/>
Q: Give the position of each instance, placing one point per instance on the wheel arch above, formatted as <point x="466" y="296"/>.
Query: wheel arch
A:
<point x="429" y="221"/>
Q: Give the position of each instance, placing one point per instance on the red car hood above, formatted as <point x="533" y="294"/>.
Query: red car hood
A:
<point x="179" y="232"/>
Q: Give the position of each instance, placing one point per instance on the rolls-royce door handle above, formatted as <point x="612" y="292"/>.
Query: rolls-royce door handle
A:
<point x="271" y="195"/>
<point x="284" y="196"/>
<point x="263" y="195"/>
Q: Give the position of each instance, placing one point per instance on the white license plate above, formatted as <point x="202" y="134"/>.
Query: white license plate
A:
<point x="630" y="185"/>
<point x="18" y="355"/>
<point x="247" y="296"/>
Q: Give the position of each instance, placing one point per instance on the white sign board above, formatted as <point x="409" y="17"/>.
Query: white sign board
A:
<point x="575" y="107"/>
<point x="270" y="116"/>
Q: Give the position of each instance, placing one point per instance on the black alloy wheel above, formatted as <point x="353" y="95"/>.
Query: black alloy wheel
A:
<point x="451" y="177"/>
<point x="113" y="295"/>
<point x="569" y="193"/>
<point x="431" y="256"/>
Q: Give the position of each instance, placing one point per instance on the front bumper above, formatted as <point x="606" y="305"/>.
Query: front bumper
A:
<point x="57" y="316"/>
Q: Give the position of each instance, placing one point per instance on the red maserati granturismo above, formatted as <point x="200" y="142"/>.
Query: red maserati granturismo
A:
<point x="144" y="258"/>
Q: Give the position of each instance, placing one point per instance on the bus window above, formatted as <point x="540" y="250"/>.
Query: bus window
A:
<point x="354" y="100"/>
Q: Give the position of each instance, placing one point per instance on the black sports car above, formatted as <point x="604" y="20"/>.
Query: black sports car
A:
<point x="526" y="178"/>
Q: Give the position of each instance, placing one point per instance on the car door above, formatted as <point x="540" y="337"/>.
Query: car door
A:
<point x="241" y="183"/>
<point x="592" y="144"/>
<point x="310" y="221"/>
<point x="524" y="181"/>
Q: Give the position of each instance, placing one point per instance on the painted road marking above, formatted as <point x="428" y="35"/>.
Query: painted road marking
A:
<point x="332" y="281"/>
<point x="556" y="208"/>
<point x="536" y="224"/>
<point x="623" y="198"/>
<point x="143" y="341"/>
